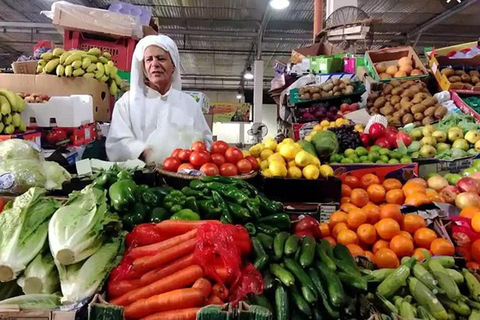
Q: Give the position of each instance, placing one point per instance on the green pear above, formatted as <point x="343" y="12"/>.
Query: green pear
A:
<point x="441" y="136"/>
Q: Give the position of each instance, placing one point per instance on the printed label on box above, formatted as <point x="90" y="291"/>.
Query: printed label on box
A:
<point x="326" y="210"/>
<point x="456" y="165"/>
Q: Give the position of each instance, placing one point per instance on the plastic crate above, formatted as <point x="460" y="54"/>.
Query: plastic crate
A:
<point x="120" y="49"/>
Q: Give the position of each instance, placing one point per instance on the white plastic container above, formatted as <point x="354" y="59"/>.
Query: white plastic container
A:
<point x="60" y="111"/>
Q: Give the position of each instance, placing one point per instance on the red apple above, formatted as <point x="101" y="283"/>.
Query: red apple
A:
<point x="405" y="137"/>
<point x="376" y="131"/>
<point x="468" y="184"/>
<point x="449" y="194"/>
<point x="467" y="199"/>
<point x="345" y="107"/>
<point x="365" y="139"/>
<point x="383" y="142"/>
<point x="437" y="183"/>
<point x="354" y="107"/>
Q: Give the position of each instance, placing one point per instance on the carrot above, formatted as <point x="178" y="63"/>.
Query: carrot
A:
<point x="182" y="314"/>
<point x="178" y="280"/>
<point x="214" y="300"/>
<point x="220" y="291"/>
<point x="222" y="272"/>
<point x="176" y="227"/>
<point x="204" y="286"/>
<point x="116" y="289"/>
<point x="148" y="263"/>
<point x="173" y="300"/>
<point x="161" y="246"/>
<point x="163" y="271"/>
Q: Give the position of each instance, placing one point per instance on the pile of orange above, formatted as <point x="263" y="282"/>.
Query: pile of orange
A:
<point x="471" y="251"/>
<point x="371" y="224"/>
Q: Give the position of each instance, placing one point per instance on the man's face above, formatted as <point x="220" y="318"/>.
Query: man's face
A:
<point x="158" y="65"/>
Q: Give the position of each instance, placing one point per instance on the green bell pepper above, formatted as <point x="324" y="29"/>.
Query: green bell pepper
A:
<point x="209" y="209"/>
<point x="191" y="203"/>
<point x="101" y="181"/>
<point x="158" y="215"/>
<point x="130" y="220"/>
<point x="150" y="198"/>
<point x="174" y="198"/>
<point x="175" y="208"/>
<point x="122" y="194"/>
<point x="279" y="220"/>
<point x="124" y="175"/>
<point x="238" y="211"/>
<point x="225" y="216"/>
<point x="185" y="214"/>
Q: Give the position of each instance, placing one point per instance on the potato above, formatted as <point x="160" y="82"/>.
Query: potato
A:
<point x="373" y="95"/>
<point x="396" y="121"/>
<point x="301" y="90"/>
<point x="454" y="79"/>
<point x="468" y="86"/>
<point x="388" y="89"/>
<point x="330" y="93"/>
<point x="405" y="99"/>
<point x="407" y="118"/>
<point x="440" y="112"/>
<point x="336" y="82"/>
<point x="397" y="106"/>
<point x="459" y="72"/>
<point x="477" y="85"/>
<point x="405" y="104"/>
<point x="415" y="89"/>
<point x="418" y="108"/>
<point x="417" y="100"/>
<point x="349" y="89"/>
<point x="475" y="80"/>
<point x="380" y="102"/>
<point x="402" y="112"/>
<point x="428" y="102"/>
<point x="314" y="90"/>
<point x="474" y="73"/>
<point x="346" y="81"/>
<point x="395" y="99"/>
<point x="465" y="78"/>
<point x="397" y="91"/>
<point x="336" y="89"/>
<point x="327" y="87"/>
<point x="338" y="93"/>
<point x="430" y="111"/>
<point x="388" y="97"/>
<point x="325" y="95"/>
<point x="448" y="72"/>
<point x="316" y="96"/>
<point x="342" y="85"/>
<point x="374" y="111"/>
<point x="388" y="104"/>
<point x="395" y="83"/>
<point x="389" y="118"/>
<point x="427" y="120"/>
<point x="408" y="93"/>
<point x="305" y="96"/>
<point x="418" y="116"/>
<point x="387" y="111"/>
<point x="408" y="84"/>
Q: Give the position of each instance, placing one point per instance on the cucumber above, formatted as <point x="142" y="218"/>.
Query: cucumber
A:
<point x="459" y="306"/>
<point x="299" y="302"/>
<point x="307" y="252"/>
<point x="352" y="281"/>
<point x="444" y="281"/>
<point x="268" y="281"/>
<point x="261" y="259"/>
<point x="261" y="300"/>
<point x="334" y="286"/>
<point x="291" y="245"/>
<point x="283" y="275"/>
<point x="323" y="296"/>
<point x="266" y="240"/>
<point x="316" y="313"/>
<point x="279" y="244"/>
<point x="345" y="260"/>
<point x="281" y="303"/>
<point x="323" y="250"/>
<point x="308" y="290"/>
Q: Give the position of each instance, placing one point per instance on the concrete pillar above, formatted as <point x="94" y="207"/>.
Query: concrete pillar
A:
<point x="333" y="5"/>
<point x="258" y="91"/>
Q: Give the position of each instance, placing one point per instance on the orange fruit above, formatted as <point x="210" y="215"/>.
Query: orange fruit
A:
<point x="346" y="207"/>
<point x="355" y="250"/>
<point x="391" y="184"/>
<point x="324" y="229"/>
<point x="475" y="250"/>
<point x="418" y="181"/>
<point x="345" y="200"/>
<point x="386" y="258"/>
<point x="406" y="235"/>
<point x="423" y="237"/>
<point x="420" y="254"/>
<point x="352" y="181"/>
<point x="387" y="228"/>
<point x="401" y="246"/>
<point x="369" y="255"/>
<point x="367" y="234"/>
<point x="476" y="222"/>
<point x="376" y="193"/>
<point x="395" y="196"/>
<point x="337" y="217"/>
<point x="380" y="244"/>
<point x="411" y="188"/>
<point x="442" y="247"/>
<point x="417" y="199"/>
<point x="355" y="218"/>
<point x="346" y="190"/>
<point x="412" y="222"/>
<point x="373" y="213"/>
<point x="469" y="212"/>
<point x="338" y="228"/>
<point x="391" y="211"/>
<point x="359" y="197"/>
<point x="331" y="241"/>
<point x="436" y="197"/>
<point x="465" y="253"/>
<point x="347" y="237"/>
<point x="369" y="179"/>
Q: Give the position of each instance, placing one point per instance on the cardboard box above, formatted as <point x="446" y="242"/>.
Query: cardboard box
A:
<point x="390" y="57"/>
<point x="25" y="67"/>
<point x="442" y="167"/>
<point x="62" y="86"/>
<point x="30" y="135"/>
<point x="318" y="49"/>
<point x="462" y="105"/>
<point x="37" y="315"/>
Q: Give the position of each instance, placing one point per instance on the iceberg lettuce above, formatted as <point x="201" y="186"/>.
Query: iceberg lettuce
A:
<point x="17" y="149"/>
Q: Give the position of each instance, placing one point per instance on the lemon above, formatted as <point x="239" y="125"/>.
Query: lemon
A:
<point x="317" y="127"/>
<point x="246" y="153"/>
<point x="332" y="125"/>
<point x="255" y="151"/>
<point x="288" y="141"/>
<point x="326" y="128"/>
<point x="267" y="173"/>
<point x="276" y="157"/>
<point x="303" y="159"/>
<point x="326" y="171"/>
<point x="279" y="146"/>
<point x="294" y="173"/>
<point x="261" y="146"/>
<point x="271" y="144"/>
<point x="325" y="123"/>
<point x="265" y="154"/>
<point x="288" y="151"/>
<point x="316" y="161"/>
<point x="311" y="172"/>
<point x="278" y="169"/>
<point x="339" y="122"/>
<point x="291" y="163"/>
<point x="308" y="138"/>
<point x="298" y="146"/>
<point x="263" y="165"/>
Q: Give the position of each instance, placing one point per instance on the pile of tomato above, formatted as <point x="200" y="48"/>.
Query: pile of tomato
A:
<point x="220" y="160"/>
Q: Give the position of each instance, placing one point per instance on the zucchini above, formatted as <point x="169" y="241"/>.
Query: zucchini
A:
<point x="407" y="311"/>
<point x="299" y="302"/>
<point x="323" y="248"/>
<point x="459" y="306"/>
<point x="475" y="315"/>
<point x="394" y="281"/>
<point x="444" y="281"/>
<point x="426" y="298"/>
<point x="281" y="303"/>
<point x="472" y="284"/>
<point x="308" y="290"/>
<point x="266" y="240"/>
<point x="291" y="245"/>
<point x="425" y="277"/>
<point x="283" y="275"/>
<point x="279" y="244"/>
<point x="352" y="281"/>
<point x="455" y="275"/>
<point x="345" y="260"/>
<point x="334" y="285"/>
<point x="307" y="252"/>
<point x="323" y="296"/>
<point x="379" y="275"/>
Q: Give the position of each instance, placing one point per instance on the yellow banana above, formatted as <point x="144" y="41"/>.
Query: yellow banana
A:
<point x="64" y="57"/>
<point x="4" y="106"/>
<point x="94" y="52"/>
<point x="103" y="60"/>
<point x="9" y="129"/>
<point x="7" y="119"/>
<point x="51" y="65"/>
<point x="94" y="59"/>
<point x="42" y="62"/>
<point x="89" y="75"/>
<point x="60" y="70"/>
<point x="77" y="64"/>
<point x="22" y="127"/>
<point x="113" y="88"/>
<point x="71" y="58"/>
<point x="47" y="56"/>
<point x="86" y="63"/>
<point x="107" y="55"/>
<point x="92" y="67"/>
<point x="104" y="78"/>
<point x="107" y="69"/>
<point x="57" y="52"/>
<point x="12" y="98"/>
<point x="100" y="70"/>
<point x="118" y="80"/>
<point x="39" y="69"/>
<point x="16" y="119"/>
<point x="68" y="71"/>
<point x="78" y="73"/>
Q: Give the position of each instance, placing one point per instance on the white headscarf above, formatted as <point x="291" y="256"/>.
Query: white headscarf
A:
<point x="137" y="77"/>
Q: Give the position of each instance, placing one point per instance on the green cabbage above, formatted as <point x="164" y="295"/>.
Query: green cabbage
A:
<point x="325" y="143"/>
<point x="16" y="149"/>
<point x="34" y="301"/>
<point x="40" y="276"/>
<point x="75" y="231"/>
<point x="23" y="231"/>
<point x="82" y="280"/>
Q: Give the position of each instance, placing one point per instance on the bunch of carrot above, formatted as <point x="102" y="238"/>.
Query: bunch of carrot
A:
<point x="164" y="279"/>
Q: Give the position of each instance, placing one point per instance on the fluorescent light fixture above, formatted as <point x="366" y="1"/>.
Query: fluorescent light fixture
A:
<point x="239" y="96"/>
<point x="279" y="4"/>
<point x="248" y="74"/>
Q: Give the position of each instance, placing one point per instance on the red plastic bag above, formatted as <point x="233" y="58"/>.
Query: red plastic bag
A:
<point x="143" y="235"/>
<point x="462" y="232"/>
<point x="250" y="281"/>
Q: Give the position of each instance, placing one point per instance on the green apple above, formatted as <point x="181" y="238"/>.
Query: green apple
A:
<point x="380" y="162"/>
<point x="415" y="155"/>
<point x="363" y="158"/>
<point x="433" y="174"/>
<point x="416" y="134"/>
<point x="355" y="159"/>
<point x="374" y="156"/>
<point x="453" y="178"/>
<point x="429" y="141"/>
<point x="428" y="151"/>
<point x="476" y="164"/>
<point x="349" y="152"/>
<point x="393" y="161"/>
<point x="468" y="172"/>
<point x="375" y="148"/>
<point x="384" y="158"/>
<point x="461" y="144"/>
<point x="361" y="151"/>
<point x="472" y="136"/>
<point x="406" y="160"/>
<point x="346" y="160"/>
<point x="440" y="136"/>
<point x="384" y="152"/>
<point x="442" y="146"/>
<point x="477" y="146"/>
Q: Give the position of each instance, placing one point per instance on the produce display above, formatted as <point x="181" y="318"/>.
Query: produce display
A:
<point x="405" y="102"/>
<point x="324" y="112"/>
<point x="331" y="88"/>
<point x="34" y="97"/>
<point x="376" y="154"/>
<point x="467" y="79"/>
<point x="92" y="64"/>
<point x="403" y="68"/>
<point x="11" y="105"/>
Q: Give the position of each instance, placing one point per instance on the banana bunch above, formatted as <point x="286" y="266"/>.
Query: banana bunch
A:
<point x="91" y="64"/>
<point x="11" y="105"/>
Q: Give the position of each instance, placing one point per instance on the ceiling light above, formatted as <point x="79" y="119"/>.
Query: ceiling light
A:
<point x="279" y="4"/>
<point x="248" y="74"/>
<point x="240" y="93"/>
<point x="239" y="96"/>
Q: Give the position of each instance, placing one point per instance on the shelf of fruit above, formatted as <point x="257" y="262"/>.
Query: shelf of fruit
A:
<point x="323" y="111"/>
<point x="328" y="90"/>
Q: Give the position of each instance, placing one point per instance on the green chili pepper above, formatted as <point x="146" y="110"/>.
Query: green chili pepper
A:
<point x="252" y="230"/>
<point x="265" y="228"/>
<point x="162" y="192"/>
<point x="279" y="220"/>
<point x="209" y="209"/>
<point x="121" y="194"/>
<point x="101" y="181"/>
<point x="189" y="192"/>
<point x="191" y="203"/>
<point x="238" y="211"/>
<point x="176" y="208"/>
<point x="270" y="207"/>
<point x="225" y="216"/>
<point x="254" y="208"/>
<point x="158" y="215"/>
<point x="197" y="184"/>
<point x="249" y="189"/>
<point x="185" y="214"/>
<point x="228" y="191"/>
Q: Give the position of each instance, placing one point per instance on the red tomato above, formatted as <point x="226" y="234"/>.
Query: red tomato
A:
<point x="176" y="152"/>
<point x="171" y="164"/>
<point x="228" y="170"/>
<point x="199" y="146"/>
<point x="210" y="169"/>
<point x="185" y="166"/>
<point x="254" y="162"/>
<point x="199" y="158"/>
<point x="233" y="155"/>
<point x="184" y="155"/>
<point x="219" y="147"/>
<point x="244" y="166"/>
<point x="218" y="159"/>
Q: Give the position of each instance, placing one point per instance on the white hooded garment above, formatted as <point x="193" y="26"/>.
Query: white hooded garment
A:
<point x="145" y="119"/>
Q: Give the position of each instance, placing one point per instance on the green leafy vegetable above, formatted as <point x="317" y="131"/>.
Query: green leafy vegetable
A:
<point x="40" y="276"/>
<point x="16" y="149"/>
<point x="54" y="174"/>
<point x="34" y="301"/>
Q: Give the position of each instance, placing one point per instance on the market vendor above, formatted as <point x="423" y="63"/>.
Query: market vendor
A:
<point x="155" y="116"/>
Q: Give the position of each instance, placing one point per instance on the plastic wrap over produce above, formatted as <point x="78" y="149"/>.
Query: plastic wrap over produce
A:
<point x="72" y="16"/>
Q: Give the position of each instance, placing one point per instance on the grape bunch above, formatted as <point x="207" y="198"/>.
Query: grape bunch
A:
<point x="347" y="137"/>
